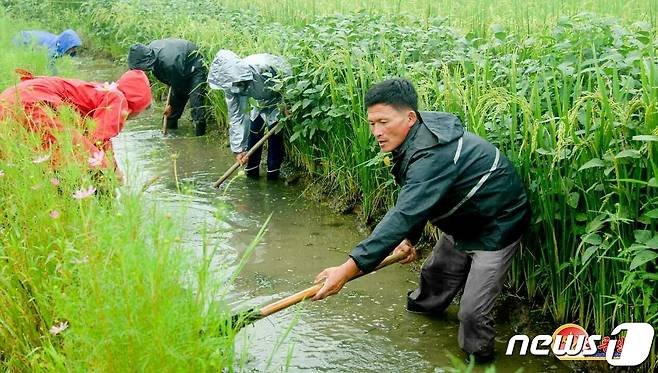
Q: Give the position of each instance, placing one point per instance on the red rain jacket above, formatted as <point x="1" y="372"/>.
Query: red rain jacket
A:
<point x="107" y="104"/>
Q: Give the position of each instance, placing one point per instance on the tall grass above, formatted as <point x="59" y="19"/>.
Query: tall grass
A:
<point x="570" y="97"/>
<point x="101" y="283"/>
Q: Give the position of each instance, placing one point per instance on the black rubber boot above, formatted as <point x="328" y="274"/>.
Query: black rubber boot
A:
<point x="482" y="357"/>
<point x="200" y="129"/>
<point x="252" y="173"/>
<point x="172" y="124"/>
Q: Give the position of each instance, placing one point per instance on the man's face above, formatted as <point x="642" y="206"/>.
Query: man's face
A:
<point x="389" y="125"/>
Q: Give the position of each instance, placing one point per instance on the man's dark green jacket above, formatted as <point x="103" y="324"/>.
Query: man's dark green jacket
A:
<point x="173" y="61"/>
<point x="458" y="181"/>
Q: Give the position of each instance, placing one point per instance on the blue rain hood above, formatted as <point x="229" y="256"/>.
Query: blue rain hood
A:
<point x="57" y="44"/>
<point x="66" y="40"/>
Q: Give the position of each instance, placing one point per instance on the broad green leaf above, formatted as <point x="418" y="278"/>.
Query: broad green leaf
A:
<point x="594" y="162"/>
<point x="596" y="223"/>
<point x="645" y="138"/>
<point x="543" y="151"/>
<point x="592" y="239"/>
<point x="644" y="220"/>
<point x="642" y="235"/>
<point x="302" y="85"/>
<point x="572" y="199"/>
<point x="628" y="153"/>
<point x="498" y="31"/>
<point x="643" y="257"/>
<point x="296" y="106"/>
<point x="589" y="252"/>
<point x="653" y="243"/>
<point x="497" y="27"/>
<point x="653" y="214"/>
<point x="643" y="26"/>
<point x="637" y="247"/>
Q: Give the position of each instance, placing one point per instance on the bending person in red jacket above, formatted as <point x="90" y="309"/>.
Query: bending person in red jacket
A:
<point x="35" y="100"/>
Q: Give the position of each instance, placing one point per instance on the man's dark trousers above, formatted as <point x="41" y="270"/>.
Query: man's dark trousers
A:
<point x="480" y="273"/>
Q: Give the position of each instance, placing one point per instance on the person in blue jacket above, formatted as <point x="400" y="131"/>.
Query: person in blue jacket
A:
<point x="58" y="45"/>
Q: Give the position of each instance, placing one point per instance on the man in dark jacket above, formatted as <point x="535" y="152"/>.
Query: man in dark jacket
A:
<point x="463" y="185"/>
<point x="179" y="64"/>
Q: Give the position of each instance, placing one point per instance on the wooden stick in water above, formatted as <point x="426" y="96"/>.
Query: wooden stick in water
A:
<point x="166" y="114"/>
<point x="310" y="292"/>
<point x="251" y="151"/>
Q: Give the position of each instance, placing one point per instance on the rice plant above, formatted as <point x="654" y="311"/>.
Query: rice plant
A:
<point x="566" y="89"/>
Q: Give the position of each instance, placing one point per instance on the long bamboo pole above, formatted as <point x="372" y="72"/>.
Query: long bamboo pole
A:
<point x="307" y="293"/>
<point x="165" y="115"/>
<point x="251" y="151"/>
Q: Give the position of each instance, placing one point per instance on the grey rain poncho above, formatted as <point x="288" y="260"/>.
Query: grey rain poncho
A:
<point x="244" y="78"/>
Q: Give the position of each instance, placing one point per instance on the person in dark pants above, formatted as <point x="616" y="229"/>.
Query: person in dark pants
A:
<point x="463" y="185"/>
<point x="241" y="79"/>
<point x="179" y="64"/>
<point x="274" y="150"/>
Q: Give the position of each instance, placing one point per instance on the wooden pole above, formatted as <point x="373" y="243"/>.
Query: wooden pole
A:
<point x="165" y="115"/>
<point x="310" y="292"/>
<point x="251" y="151"/>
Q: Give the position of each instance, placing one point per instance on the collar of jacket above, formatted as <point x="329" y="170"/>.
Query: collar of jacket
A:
<point x="402" y="154"/>
<point x="431" y="129"/>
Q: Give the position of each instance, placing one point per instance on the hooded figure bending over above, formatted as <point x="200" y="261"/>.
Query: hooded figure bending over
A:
<point x="36" y="99"/>
<point x="58" y="45"/>
<point x="178" y="64"/>
<point x="253" y="76"/>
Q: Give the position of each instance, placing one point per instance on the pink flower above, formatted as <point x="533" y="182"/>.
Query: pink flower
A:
<point x="41" y="159"/>
<point x="54" y="214"/>
<point x="84" y="193"/>
<point x="96" y="159"/>
<point x="54" y="181"/>
<point x="107" y="87"/>
<point x="59" y="327"/>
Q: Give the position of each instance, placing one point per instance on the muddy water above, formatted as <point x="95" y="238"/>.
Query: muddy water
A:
<point x="364" y="328"/>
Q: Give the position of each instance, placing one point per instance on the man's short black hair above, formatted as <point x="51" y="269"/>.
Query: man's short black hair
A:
<point x="399" y="93"/>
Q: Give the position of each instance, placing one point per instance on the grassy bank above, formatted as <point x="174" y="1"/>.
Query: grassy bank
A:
<point x="570" y="98"/>
<point x="98" y="282"/>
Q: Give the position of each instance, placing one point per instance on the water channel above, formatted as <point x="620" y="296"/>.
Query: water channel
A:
<point x="363" y="329"/>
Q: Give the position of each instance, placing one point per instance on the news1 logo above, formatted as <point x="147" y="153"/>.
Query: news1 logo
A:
<point x="571" y="342"/>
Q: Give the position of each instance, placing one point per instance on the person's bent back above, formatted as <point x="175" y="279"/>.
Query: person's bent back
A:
<point x="178" y="64"/>
<point x="33" y="100"/>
